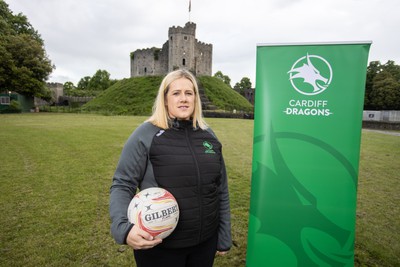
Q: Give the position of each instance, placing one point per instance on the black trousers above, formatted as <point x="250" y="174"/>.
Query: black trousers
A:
<point x="201" y="255"/>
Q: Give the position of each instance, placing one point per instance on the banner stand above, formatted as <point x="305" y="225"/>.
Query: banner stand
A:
<point x="307" y="132"/>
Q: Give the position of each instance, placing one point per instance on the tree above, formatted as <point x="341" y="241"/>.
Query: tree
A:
<point x="83" y="83"/>
<point x="382" y="88"/>
<point x="100" y="81"/>
<point x="91" y="86"/>
<point x="241" y="86"/>
<point x="373" y="69"/>
<point x="224" y="78"/>
<point x="385" y="93"/>
<point x="393" y="69"/>
<point x="24" y="64"/>
<point x="69" y="87"/>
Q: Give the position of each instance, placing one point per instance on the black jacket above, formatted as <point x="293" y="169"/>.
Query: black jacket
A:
<point x="187" y="162"/>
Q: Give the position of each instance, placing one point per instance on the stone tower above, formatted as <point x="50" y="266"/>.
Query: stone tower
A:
<point x="181" y="51"/>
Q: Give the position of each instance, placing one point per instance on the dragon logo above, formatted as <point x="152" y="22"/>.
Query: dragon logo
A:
<point x="209" y="147"/>
<point x="315" y="72"/>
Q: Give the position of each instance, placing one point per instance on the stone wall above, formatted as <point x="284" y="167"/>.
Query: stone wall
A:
<point x="149" y="61"/>
<point x="57" y="91"/>
<point x="203" y="59"/>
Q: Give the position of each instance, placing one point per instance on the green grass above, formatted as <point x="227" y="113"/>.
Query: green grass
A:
<point x="378" y="212"/>
<point x="56" y="172"/>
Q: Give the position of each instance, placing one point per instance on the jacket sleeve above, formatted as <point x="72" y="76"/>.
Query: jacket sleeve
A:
<point x="224" y="231"/>
<point x="127" y="177"/>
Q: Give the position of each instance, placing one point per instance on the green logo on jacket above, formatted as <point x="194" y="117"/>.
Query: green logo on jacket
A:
<point x="209" y="147"/>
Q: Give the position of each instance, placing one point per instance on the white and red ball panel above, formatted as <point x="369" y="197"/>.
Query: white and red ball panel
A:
<point x="154" y="210"/>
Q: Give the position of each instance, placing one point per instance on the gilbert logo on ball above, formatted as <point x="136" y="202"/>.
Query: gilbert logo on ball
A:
<point x="154" y="210"/>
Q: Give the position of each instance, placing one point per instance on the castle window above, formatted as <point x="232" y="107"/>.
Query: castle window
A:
<point x="183" y="62"/>
<point x="185" y="38"/>
<point x="171" y="38"/>
<point x="145" y="70"/>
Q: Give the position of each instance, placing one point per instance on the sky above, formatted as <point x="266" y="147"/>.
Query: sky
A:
<point x="84" y="36"/>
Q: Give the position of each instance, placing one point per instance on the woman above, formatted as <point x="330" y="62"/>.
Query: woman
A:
<point x="174" y="149"/>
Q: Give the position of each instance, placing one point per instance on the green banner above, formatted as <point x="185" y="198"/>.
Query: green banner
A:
<point x="307" y="132"/>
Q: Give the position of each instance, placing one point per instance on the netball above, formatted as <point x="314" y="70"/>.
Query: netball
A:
<point x="155" y="211"/>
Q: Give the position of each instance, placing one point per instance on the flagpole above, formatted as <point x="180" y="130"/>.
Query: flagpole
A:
<point x="190" y="8"/>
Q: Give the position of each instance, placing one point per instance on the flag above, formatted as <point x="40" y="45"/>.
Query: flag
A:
<point x="190" y="5"/>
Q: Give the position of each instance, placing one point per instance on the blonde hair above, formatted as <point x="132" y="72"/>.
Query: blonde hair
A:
<point x="160" y="116"/>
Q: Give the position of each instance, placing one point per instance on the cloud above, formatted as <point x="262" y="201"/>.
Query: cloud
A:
<point x="84" y="36"/>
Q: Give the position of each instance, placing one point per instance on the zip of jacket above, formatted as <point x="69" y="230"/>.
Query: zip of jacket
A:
<point x="199" y="186"/>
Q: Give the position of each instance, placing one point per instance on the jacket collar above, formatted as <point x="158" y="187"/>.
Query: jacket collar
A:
<point x="181" y="124"/>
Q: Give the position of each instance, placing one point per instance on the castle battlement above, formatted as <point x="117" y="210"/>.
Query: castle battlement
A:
<point x="54" y="84"/>
<point x="181" y="51"/>
<point x="189" y="29"/>
<point x="147" y="49"/>
<point x="203" y="44"/>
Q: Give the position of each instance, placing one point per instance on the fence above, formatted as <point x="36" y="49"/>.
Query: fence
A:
<point x="383" y="115"/>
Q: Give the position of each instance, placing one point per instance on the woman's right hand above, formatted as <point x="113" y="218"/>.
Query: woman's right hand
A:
<point x="140" y="239"/>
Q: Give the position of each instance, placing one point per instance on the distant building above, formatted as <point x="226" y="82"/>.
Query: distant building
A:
<point x="13" y="102"/>
<point x="249" y="94"/>
<point x="181" y="51"/>
<point x="57" y="91"/>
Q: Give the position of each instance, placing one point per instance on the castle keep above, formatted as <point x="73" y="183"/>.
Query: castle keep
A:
<point x="181" y="51"/>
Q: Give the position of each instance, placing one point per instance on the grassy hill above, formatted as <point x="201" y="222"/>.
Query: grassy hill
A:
<point x="135" y="96"/>
<point x="223" y="96"/>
